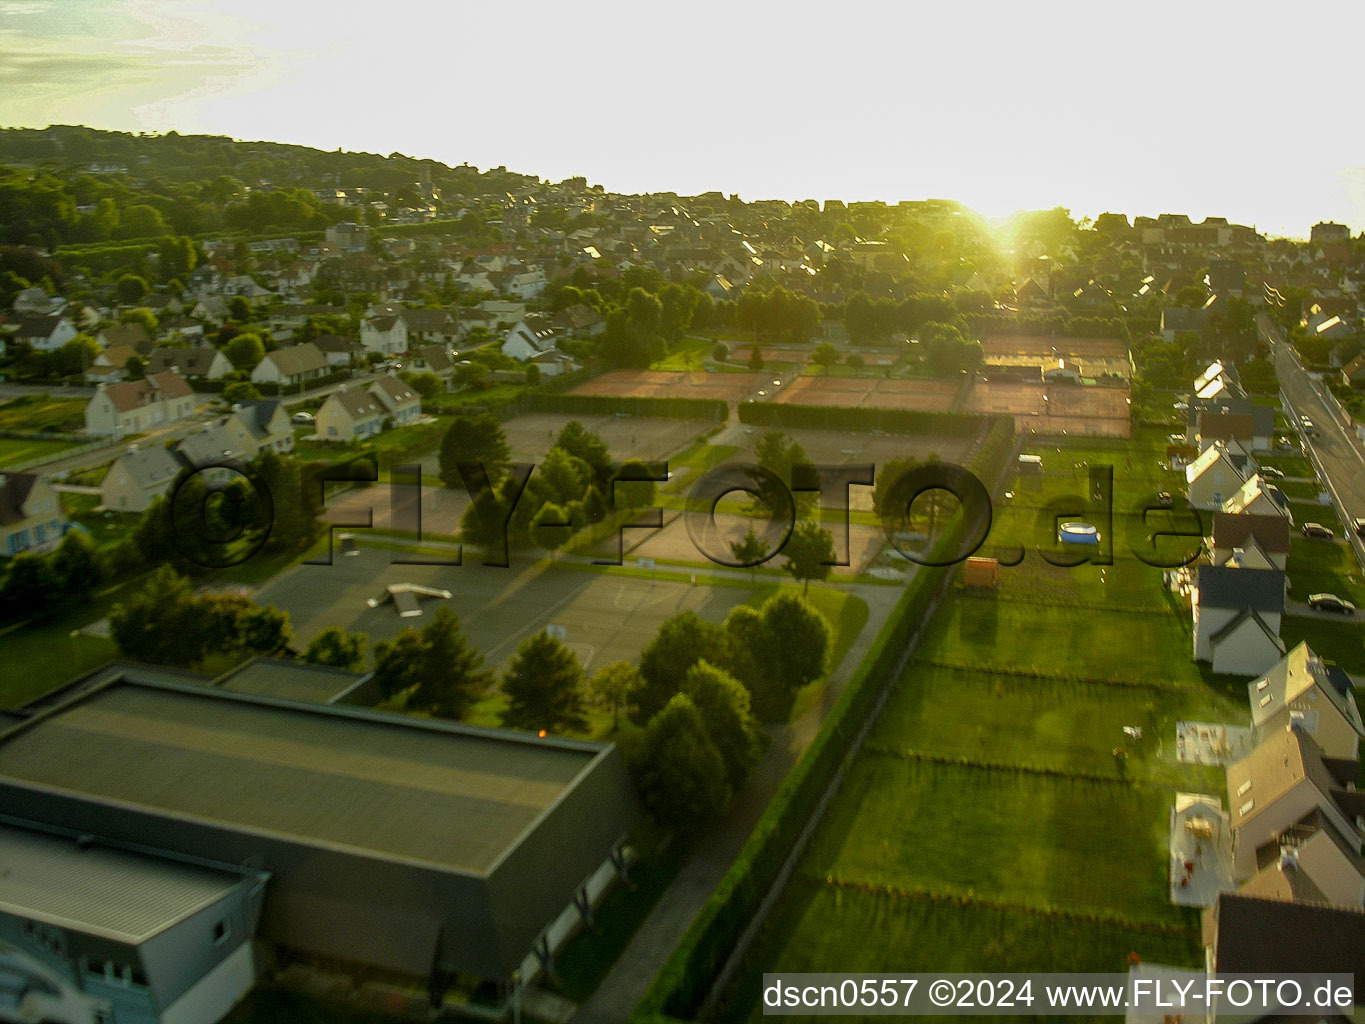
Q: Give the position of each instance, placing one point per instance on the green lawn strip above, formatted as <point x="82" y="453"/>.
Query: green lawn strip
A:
<point x="1049" y="842"/>
<point x="14" y="451"/>
<point x="1340" y="642"/>
<point x="498" y="394"/>
<point x="1048" y="724"/>
<point x="821" y="927"/>
<point x="43" y="411"/>
<point x="1299" y="490"/>
<point x="1099" y="644"/>
<point x="1289" y="465"/>
<point x="1317" y="566"/>
<point x="687" y="354"/>
<point x="1312" y="512"/>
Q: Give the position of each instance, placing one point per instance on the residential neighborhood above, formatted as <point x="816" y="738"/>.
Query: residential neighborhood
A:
<point x="435" y="593"/>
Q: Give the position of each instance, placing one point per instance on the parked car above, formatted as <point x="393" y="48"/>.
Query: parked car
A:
<point x="303" y="417"/>
<point x="1331" y="603"/>
<point x="1272" y="472"/>
<point x="1305" y="421"/>
<point x="1359" y="526"/>
<point x="1317" y="530"/>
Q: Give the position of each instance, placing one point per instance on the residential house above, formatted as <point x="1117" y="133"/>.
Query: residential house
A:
<point x="531" y="336"/>
<point x="1310" y="861"/>
<point x="1250" y="541"/>
<point x="433" y="359"/>
<point x="1262" y="417"/>
<point x="202" y="362"/>
<point x="579" y="321"/>
<point x="132" y="406"/>
<point x="350" y="414"/>
<point x="1233" y="428"/>
<point x="132" y="336"/>
<point x="1253" y="935"/>
<point x="431" y="327"/>
<point x="267" y="422"/>
<point x="1216" y="475"/>
<point x="245" y="286"/>
<point x="46" y="333"/>
<point x="401" y="403"/>
<point x="217" y="449"/>
<point x="719" y="288"/>
<point x="553" y="362"/>
<point x="340" y="352"/>
<point x="110" y="365"/>
<point x="36" y="302"/>
<point x="1283" y="779"/>
<point x="526" y="284"/>
<point x="1258" y="498"/>
<point x="1301" y="689"/>
<point x="31" y="514"/>
<point x="386" y="334"/>
<point x="1183" y="320"/>
<point x="290" y="366"/>
<point x="163" y="305"/>
<point x="212" y="309"/>
<point x="1353" y="373"/>
<point x="138" y="477"/>
<point x="1237" y="615"/>
<point x="181" y="327"/>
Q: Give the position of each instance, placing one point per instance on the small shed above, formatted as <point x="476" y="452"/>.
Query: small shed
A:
<point x="981" y="572"/>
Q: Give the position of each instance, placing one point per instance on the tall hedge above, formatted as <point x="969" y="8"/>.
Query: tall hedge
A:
<point x="683" y="984"/>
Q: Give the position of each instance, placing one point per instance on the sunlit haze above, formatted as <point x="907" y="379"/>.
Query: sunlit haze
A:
<point x="1206" y="108"/>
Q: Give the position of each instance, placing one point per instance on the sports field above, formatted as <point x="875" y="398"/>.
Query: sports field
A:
<point x="729" y="387"/>
<point x="607" y="618"/>
<point x="871" y="392"/>
<point x="1055" y="408"/>
<point x="804" y="389"/>
<point x="987" y="823"/>
<point x="1094" y="357"/>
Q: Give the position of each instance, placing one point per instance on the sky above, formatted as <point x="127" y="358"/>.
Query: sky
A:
<point x="1243" y="110"/>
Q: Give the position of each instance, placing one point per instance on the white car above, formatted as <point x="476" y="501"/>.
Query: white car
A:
<point x="303" y="417"/>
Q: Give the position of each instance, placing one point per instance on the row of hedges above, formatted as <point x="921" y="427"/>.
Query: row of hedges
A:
<point x="847" y="417"/>
<point x="686" y="979"/>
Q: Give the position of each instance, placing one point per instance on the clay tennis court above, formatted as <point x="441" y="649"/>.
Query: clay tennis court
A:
<point x="1056" y="408"/>
<point x="729" y="387"/>
<point x="1094" y="357"/>
<point x="870" y="392"/>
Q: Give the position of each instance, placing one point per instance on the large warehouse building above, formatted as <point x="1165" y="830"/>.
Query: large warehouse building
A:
<point x="382" y="843"/>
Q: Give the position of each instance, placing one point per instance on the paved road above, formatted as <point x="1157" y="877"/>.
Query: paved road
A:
<point x="1336" y="453"/>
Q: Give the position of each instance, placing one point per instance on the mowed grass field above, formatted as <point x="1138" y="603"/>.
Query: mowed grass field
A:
<point x="997" y="817"/>
<point x="26" y="451"/>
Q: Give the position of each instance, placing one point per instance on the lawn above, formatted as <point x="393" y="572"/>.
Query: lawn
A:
<point x="454" y="401"/>
<point x="103" y="529"/>
<point x="43" y="412"/>
<point x="1038" y="842"/>
<point x="1312" y="512"/>
<point x="1289" y="465"/>
<point x="1316" y="566"/>
<point x="1046" y="724"/>
<point x="1342" y="643"/>
<point x="688" y="354"/>
<point x="901" y="933"/>
<point x="24" y="451"/>
<point x="1062" y="640"/>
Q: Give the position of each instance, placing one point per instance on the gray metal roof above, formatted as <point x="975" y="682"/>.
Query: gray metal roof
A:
<point x="385" y="785"/>
<point x="289" y="680"/>
<point x="99" y="890"/>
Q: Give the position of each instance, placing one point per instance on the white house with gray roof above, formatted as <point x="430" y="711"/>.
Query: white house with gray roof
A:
<point x="350" y="414"/>
<point x="138" y="477"/>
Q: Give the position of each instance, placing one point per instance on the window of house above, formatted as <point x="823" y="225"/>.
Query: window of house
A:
<point x="221" y="931"/>
<point x="1244" y="788"/>
<point x="1245" y="809"/>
